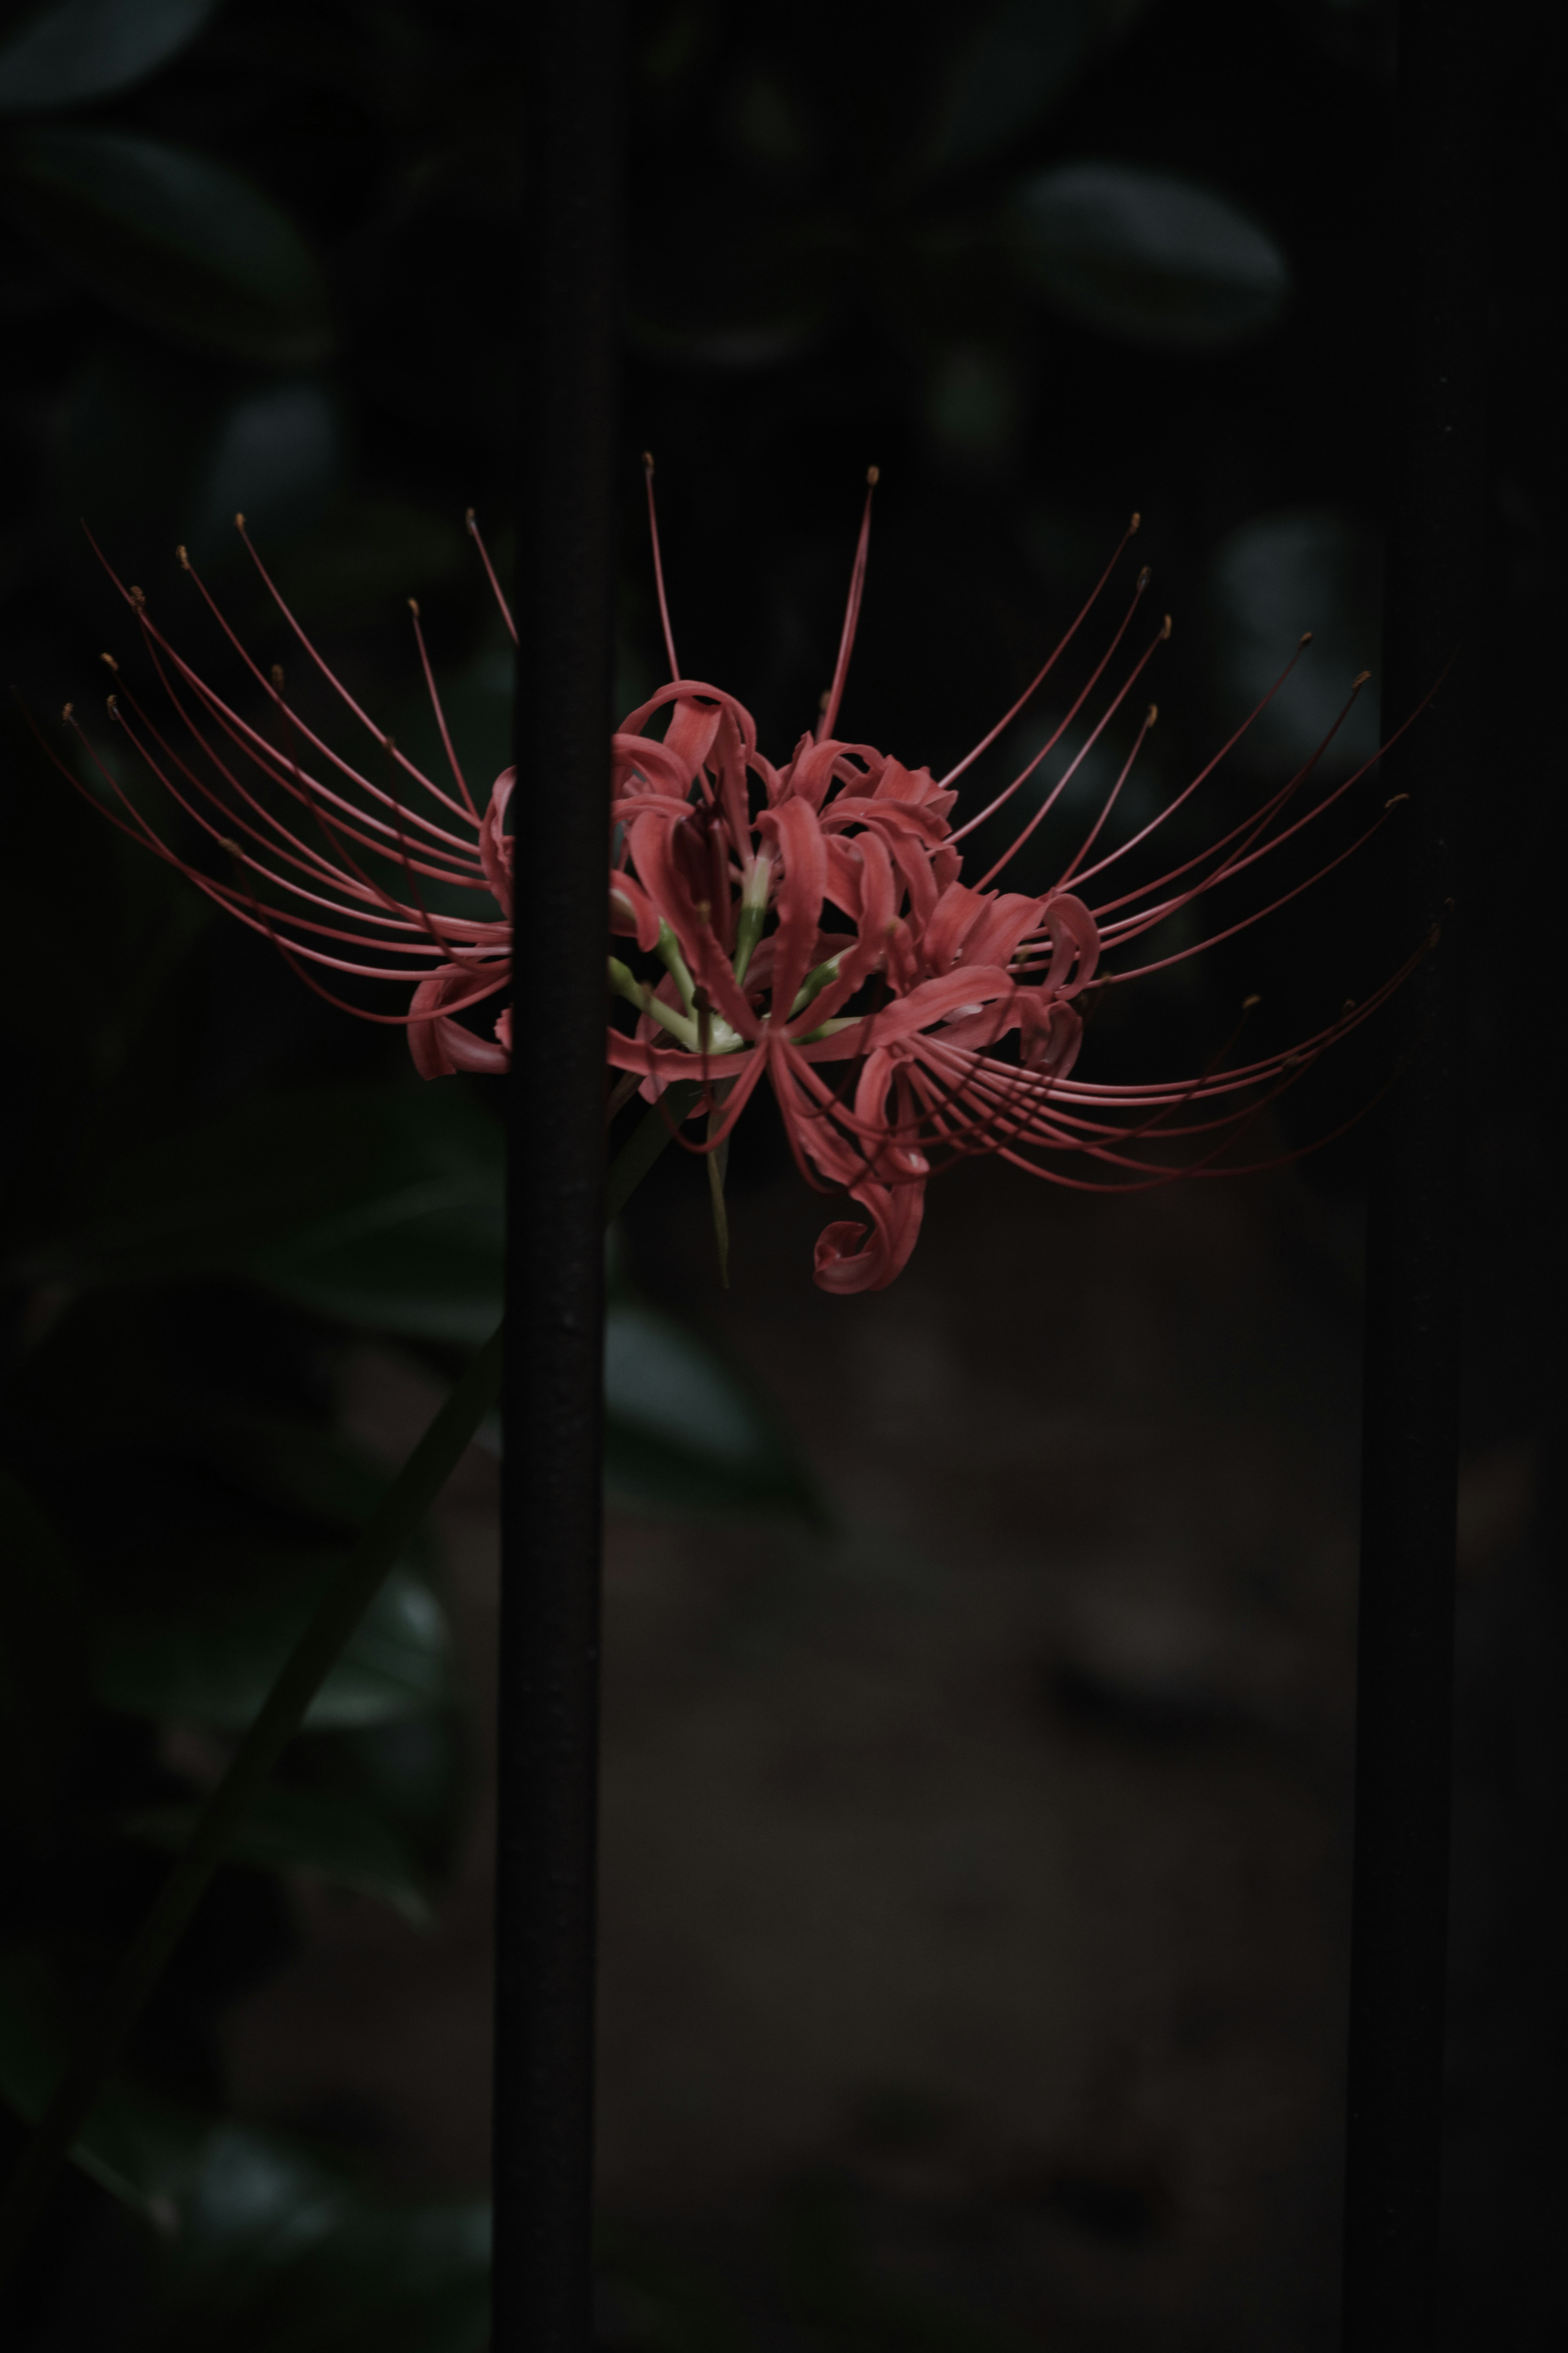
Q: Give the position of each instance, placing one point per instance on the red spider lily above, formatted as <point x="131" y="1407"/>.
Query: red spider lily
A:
<point x="805" y="916"/>
<point x="952" y="1003"/>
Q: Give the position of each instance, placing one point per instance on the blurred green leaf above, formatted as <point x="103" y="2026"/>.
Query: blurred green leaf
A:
<point x="1147" y="257"/>
<point x="427" y="1267"/>
<point x="260" y="2244"/>
<point x="43" y="1651"/>
<point x="383" y="1208"/>
<point x="376" y="1207"/>
<point x="1305" y="568"/>
<point x="413" y="1774"/>
<point x="141" y="2150"/>
<point x="277" y="455"/>
<point x="179" y="243"/>
<point x="1022" y="56"/>
<point x="152" y="449"/>
<point x="683" y="1432"/>
<point x="276" y="2250"/>
<point x="88" y="49"/>
<point x="1014" y="66"/>
<point x="215" y="1665"/>
<point x="277" y="1185"/>
<point x="305" y="1829"/>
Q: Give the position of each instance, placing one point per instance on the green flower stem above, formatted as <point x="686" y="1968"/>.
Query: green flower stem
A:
<point x="753" y="912"/>
<point x="669" y="949"/>
<point x="646" y="1142"/>
<point x="814" y="982"/>
<point x="382" y="1540"/>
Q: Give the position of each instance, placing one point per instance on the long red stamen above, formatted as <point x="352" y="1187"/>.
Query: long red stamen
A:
<point x="496" y="588"/>
<point x="1122" y="691"/>
<point x="1046" y="667"/>
<point x="659" y="565"/>
<point x="1068" y="872"/>
<point x="1162" y="815"/>
<point x="258" y="748"/>
<point x="453" y="764"/>
<point x="1179" y="955"/>
<point x="829" y="718"/>
<point x="1082" y="696"/>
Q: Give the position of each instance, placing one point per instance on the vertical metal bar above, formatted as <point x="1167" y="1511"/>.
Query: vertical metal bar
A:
<point x="1434" y="613"/>
<point x="549" y="1641"/>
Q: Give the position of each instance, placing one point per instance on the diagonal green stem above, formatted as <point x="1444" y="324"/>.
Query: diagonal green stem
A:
<point x="382" y="1540"/>
<point x="646" y="1142"/>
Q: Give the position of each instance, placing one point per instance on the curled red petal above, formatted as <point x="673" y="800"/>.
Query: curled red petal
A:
<point x="439" y="1046"/>
<point x="850" y="1257"/>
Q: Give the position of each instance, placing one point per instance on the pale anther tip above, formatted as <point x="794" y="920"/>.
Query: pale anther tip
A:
<point x="469" y="519"/>
<point x="1304" y="640"/>
<point x="1361" y="678"/>
<point x="873" y="476"/>
<point x="1143" y="579"/>
<point x="413" y="606"/>
<point x="239" y="522"/>
<point x="69" y="713"/>
<point x="1154" y="714"/>
<point x="1165" y="627"/>
<point x="231" y="847"/>
<point x="1136" y="522"/>
<point x="647" y="461"/>
<point x="1247" y="1003"/>
<point x="1348" y="1006"/>
<point x="182" y="556"/>
<point x="1395" y="800"/>
<point x="112" y="707"/>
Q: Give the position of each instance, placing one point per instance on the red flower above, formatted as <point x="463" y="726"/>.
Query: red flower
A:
<point x="954" y="1005"/>
<point x="812" y="922"/>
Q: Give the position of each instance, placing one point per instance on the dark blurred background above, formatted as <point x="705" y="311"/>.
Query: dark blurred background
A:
<point x="980" y="1683"/>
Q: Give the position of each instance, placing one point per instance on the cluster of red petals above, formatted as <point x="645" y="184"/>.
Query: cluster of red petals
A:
<point x="849" y="858"/>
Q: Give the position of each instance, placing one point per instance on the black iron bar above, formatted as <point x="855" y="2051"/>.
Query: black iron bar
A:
<point x="1434" y="613"/>
<point x="549" y="1641"/>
